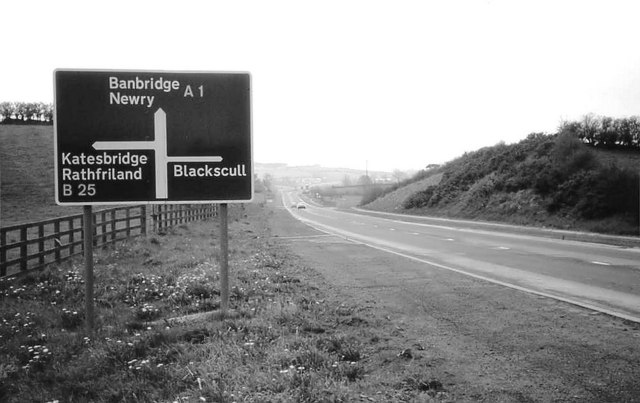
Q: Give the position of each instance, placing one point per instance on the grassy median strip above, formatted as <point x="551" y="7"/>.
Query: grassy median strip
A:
<point x="159" y="337"/>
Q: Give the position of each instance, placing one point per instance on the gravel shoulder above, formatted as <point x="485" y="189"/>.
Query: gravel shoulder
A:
<point x="480" y="341"/>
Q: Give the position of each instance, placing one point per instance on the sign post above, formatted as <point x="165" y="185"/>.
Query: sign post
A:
<point x="87" y="229"/>
<point x="224" y="260"/>
<point x="163" y="137"/>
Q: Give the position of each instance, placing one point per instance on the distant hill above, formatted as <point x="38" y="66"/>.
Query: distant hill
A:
<point x="544" y="180"/>
<point x="312" y="174"/>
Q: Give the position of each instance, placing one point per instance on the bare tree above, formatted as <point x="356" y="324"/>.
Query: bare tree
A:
<point x="589" y="129"/>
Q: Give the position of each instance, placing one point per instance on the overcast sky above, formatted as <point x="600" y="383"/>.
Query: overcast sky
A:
<point x="397" y="84"/>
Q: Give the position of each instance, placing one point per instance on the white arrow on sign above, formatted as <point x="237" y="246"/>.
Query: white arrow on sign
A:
<point x="159" y="145"/>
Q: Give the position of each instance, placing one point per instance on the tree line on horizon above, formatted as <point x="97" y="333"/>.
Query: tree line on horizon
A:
<point x="26" y="113"/>
<point x="604" y="131"/>
<point x="597" y="131"/>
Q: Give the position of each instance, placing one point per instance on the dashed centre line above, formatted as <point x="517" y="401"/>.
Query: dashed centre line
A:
<point x="601" y="263"/>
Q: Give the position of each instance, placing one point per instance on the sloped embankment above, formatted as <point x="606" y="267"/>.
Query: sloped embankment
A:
<point x="393" y="201"/>
<point x="544" y="180"/>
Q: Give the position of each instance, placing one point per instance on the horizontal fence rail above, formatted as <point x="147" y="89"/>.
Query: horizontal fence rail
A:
<point x="35" y="245"/>
<point x="168" y="215"/>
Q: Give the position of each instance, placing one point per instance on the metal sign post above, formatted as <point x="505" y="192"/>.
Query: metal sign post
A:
<point x="224" y="260"/>
<point x="87" y="228"/>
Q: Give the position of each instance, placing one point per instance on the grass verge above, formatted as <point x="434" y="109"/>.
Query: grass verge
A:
<point x="159" y="336"/>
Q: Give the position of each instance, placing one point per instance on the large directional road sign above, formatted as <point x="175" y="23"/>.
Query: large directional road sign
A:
<point x="152" y="137"/>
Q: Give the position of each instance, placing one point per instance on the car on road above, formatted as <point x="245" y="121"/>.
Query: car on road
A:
<point x="301" y="206"/>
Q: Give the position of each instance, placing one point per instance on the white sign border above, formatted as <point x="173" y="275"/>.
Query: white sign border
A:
<point x="159" y="202"/>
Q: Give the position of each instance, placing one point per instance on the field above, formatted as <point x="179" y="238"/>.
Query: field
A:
<point x="26" y="175"/>
<point x="159" y="337"/>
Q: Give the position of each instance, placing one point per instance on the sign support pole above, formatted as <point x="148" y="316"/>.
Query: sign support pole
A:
<point x="224" y="260"/>
<point x="87" y="226"/>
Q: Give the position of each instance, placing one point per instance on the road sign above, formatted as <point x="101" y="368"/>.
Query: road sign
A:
<point x="152" y="136"/>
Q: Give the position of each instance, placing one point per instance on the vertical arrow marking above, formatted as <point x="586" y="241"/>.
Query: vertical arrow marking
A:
<point x="159" y="145"/>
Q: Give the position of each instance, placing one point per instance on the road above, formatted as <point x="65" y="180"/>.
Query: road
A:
<point x="601" y="277"/>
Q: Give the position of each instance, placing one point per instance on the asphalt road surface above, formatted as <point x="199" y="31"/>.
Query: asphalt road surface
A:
<point x="601" y="277"/>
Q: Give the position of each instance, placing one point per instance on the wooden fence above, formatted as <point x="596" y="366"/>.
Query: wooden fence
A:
<point x="168" y="215"/>
<point x="32" y="246"/>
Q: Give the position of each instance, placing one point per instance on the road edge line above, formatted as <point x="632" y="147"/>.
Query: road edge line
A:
<point x="620" y="315"/>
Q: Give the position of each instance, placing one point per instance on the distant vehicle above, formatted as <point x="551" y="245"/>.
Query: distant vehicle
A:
<point x="301" y="205"/>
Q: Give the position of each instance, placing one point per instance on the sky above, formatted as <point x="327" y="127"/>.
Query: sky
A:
<point x="378" y="84"/>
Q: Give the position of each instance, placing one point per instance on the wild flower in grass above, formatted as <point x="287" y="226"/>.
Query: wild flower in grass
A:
<point x="137" y="364"/>
<point x="147" y="312"/>
<point x="144" y="288"/>
<point x="17" y="323"/>
<point x="34" y="356"/>
<point x="15" y="292"/>
<point x="46" y="289"/>
<point x="70" y="319"/>
<point x="74" y="277"/>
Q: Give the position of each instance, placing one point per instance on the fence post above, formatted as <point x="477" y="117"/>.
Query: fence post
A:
<point x="3" y="253"/>
<point x="23" y="248"/>
<point x="72" y="236"/>
<point x="128" y="223"/>
<point x="41" y="244"/>
<point x="113" y="224"/>
<point x="103" y="217"/>
<point x="143" y="220"/>
<point x="153" y="217"/>
<point x="174" y="221"/>
<point x="57" y="241"/>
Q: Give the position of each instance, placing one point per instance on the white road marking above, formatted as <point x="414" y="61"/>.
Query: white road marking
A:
<point x="601" y="263"/>
<point x="501" y="248"/>
<point x="571" y="299"/>
<point x="304" y="236"/>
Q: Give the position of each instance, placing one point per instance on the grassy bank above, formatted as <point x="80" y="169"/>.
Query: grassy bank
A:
<point x="284" y="339"/>
<point x="544" y="180"/>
